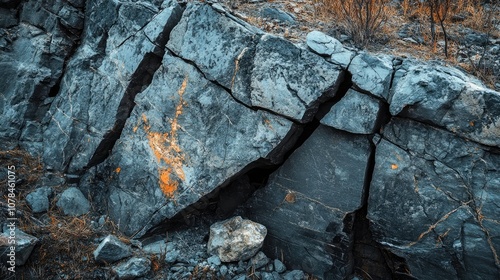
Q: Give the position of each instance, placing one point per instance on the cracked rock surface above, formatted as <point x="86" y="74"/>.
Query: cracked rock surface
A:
<point x="159" y="112"/>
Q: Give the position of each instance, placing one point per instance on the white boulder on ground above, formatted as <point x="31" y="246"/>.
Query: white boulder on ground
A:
<point x="236" y="239"/>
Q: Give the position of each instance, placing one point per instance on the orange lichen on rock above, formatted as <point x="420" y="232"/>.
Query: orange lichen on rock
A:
<point x="394" y="166"/>
<point x="166" y="149"/>
<point x="167" y="185"/>
<point x="118" y="169"/>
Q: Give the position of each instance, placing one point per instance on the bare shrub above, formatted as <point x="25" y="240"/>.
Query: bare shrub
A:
<point x="362" y="19"/>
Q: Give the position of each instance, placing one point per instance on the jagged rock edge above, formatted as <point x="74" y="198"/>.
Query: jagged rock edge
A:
<point x="134" y="87"/>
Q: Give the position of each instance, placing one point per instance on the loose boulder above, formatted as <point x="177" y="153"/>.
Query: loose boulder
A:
<point x="236" y="239"/>
<point x="38" y="200"/>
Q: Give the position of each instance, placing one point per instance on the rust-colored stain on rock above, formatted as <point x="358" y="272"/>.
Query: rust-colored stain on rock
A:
<point x="166" y="149"/>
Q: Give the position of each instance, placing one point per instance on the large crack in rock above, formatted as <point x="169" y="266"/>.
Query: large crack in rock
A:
<point x="178" y="146"/>
<point x="88" y="114"/>
<point x="139" y="80"/>
<point x="251" y="65"/>
<point x="187" y="136"/>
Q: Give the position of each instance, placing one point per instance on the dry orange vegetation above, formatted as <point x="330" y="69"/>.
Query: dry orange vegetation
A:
<point x="385" y="20"/>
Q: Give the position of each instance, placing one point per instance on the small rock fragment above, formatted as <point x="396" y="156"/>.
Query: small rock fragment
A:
<point x="38" y="200"/>
<point x="277" y="14"/>
<point x="23" y="247"/>
<point x="279" y="266"/>
<point x="132" y="268"/>
<point x="73" y="203"/>
<point x="323" y="44"/>
<point x="236" y="239"/>
<point x="294" y="275"/>
<point x="214" y="260"/>
<point x="258" y="261"/>
<point x="111" y="250"/>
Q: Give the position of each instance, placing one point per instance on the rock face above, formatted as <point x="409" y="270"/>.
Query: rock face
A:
<point x="92" y="106"/>
<point x="157" y="164"/>
<point x="447" y="98"/>
<point x="34" y="48"/>
<point x="307" y="202"/>
<point x="262" y="71"/>
<point x="356" y="113"/>
<point x="236" y="239"/>
<point x="450" y="188"/>
<point x="151" y="108"/>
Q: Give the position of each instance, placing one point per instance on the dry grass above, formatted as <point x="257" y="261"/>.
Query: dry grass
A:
<point x="346" y="17"/>
<point x="28" y="168"/>
<point x="363" y="20"/>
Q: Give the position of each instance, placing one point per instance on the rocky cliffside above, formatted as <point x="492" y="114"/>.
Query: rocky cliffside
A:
<point x="361" y="164"/>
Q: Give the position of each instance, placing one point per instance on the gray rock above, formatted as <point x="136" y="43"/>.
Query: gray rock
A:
<point x="445" y="225"/>
<point x="223" y="270"/>
<point x="343" y="58"/>
<point x="38" y="200"/>
<point x="32" y="57"/>
<point x="7" y="18"/>
<point x="235" y="239"/>
<point x="307" y="200"/>
<point x="133" y="268"/>
<point x="170" y="153"/>
<point x="158" y="248"/>
<point x="277" y="14"/>
<point x="355" y="113"/>
<point x="73" y="203"/>
<point x="24" y="244"/>
<point x="214" y="260"/>
<point x="447" y="98"/>
<point x="323" y="44"/>
<point x="270" y="275"/>
<point x="260" y="71"/>
<point x="258" y="261"/>
<point x="294" y="275"/>
<point x="111" y="249"/>
<point x="172" y="256"/>
<point x="287" y="80"/>
<point x="92" y="105"/>
<point x="279" y="266"/>
<point x="215" y="50"/>
<point x="372" y="74"/>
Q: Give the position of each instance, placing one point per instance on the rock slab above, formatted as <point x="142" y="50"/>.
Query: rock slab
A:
<point x="433" y="200"/>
